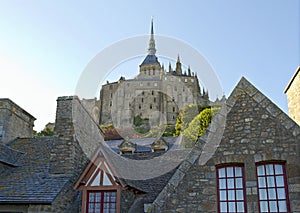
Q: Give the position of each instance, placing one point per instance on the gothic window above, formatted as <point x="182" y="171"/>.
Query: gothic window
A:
<point x="152" y="92"/>
<point x="155" y="84"/>
<point x="111" y="95"/>
<point x="140" y="106"/>
<point x="173" y="109"/>
<point x="173" y="117"/>
<point x="150" y="106"/>
<point x="143" y="93"/>
<point x="142" y="100"/>
<point x="272" y="187"/>
<point x="101" y="201"/>
<point x="231" y="188"/>
<point x="110" y="103"/>
<point x="154" y="100"/>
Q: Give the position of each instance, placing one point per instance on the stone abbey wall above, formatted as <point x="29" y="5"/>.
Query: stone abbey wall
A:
<point x="151" y="98"/>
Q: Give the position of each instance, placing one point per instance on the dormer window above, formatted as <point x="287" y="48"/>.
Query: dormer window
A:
<point x="101" y="189"/>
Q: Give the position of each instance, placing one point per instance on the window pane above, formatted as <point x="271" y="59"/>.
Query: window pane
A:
<point x="238" y="171"/>
<point x="240" y="207"/>
<point x="223" y="195"/>
<point x="282" y="206"/>
<point x="239" y="183"/>
<point x="222" y="172"/>
<point x="261" y="170"/>
<point x="272" y="194"/>
<point x="239" y="195"/>
<point x="269" y="169"/>
<point x="223" y="207"/>
<point x="271" y="181"/>
<point x="97" y="207"/>
<point x="222" y="183"/>
<point x="279" y="181"/>
<point x="92" y="196"/>
<point x="230" y="183"/>
<point x="98" y="196"/>
<point x="278" y="169"/>
<point x="264" y="206"/>
<point x="281" y="193"/>
<point x="273" y="206"/>
<point x="262" y="194"/>
<point x="231" y="195"/>
<point x="231" y="207"/>
<point x="229" y="171"/>
<point x="262" y="182"/>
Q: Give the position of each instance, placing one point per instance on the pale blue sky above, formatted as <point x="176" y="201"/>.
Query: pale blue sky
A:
<point x="45" y="45"/>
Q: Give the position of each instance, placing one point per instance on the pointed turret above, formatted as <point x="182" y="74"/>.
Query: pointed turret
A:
<point x="170" y="68"/>
<point x="178" y="66"/>
<point x="189" y="71"/>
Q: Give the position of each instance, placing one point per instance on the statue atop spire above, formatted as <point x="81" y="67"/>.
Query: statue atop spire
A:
<point x="151" y="49"/>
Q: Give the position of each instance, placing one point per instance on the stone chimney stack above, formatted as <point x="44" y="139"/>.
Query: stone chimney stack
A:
<point x="62" y="158"/>
<point x="77" y="136"/>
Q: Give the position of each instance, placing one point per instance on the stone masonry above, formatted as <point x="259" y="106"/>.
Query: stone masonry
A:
<point x="14" y="121"/>
<point x="293" y="96"/>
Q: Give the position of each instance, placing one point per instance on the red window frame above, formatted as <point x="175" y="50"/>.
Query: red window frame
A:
<point x="235" y="192"/>
<point x="271" y="186"/>
<point x="102" y="203"/>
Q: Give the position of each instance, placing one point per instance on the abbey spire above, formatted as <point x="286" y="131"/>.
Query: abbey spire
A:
<point x="151" y="49"/>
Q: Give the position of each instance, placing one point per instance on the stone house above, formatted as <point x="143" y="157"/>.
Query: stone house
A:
<point x="247" y="161"/>
<point x="14" y="121"/>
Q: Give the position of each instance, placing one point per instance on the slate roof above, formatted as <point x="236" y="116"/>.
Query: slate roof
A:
<point x="150" y="59"/>
<point x="26" y="179"/>
<point x="152" y="187"/>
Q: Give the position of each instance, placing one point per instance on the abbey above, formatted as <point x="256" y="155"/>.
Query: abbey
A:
<point x="155" y="93"/>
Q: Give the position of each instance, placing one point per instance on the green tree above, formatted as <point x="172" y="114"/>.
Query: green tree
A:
<point x="186" y="115"/>
<point x="198" y="126"/>
<point x="44" y="132"/>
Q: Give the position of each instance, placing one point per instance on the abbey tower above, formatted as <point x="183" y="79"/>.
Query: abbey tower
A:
<point x="155" y="94"/>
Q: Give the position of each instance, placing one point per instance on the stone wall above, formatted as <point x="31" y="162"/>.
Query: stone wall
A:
<point x="14" y="121"/>
<point x="293" y="96"/>
<point x="148" y="97"/>
<point x="255" y="131"/>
